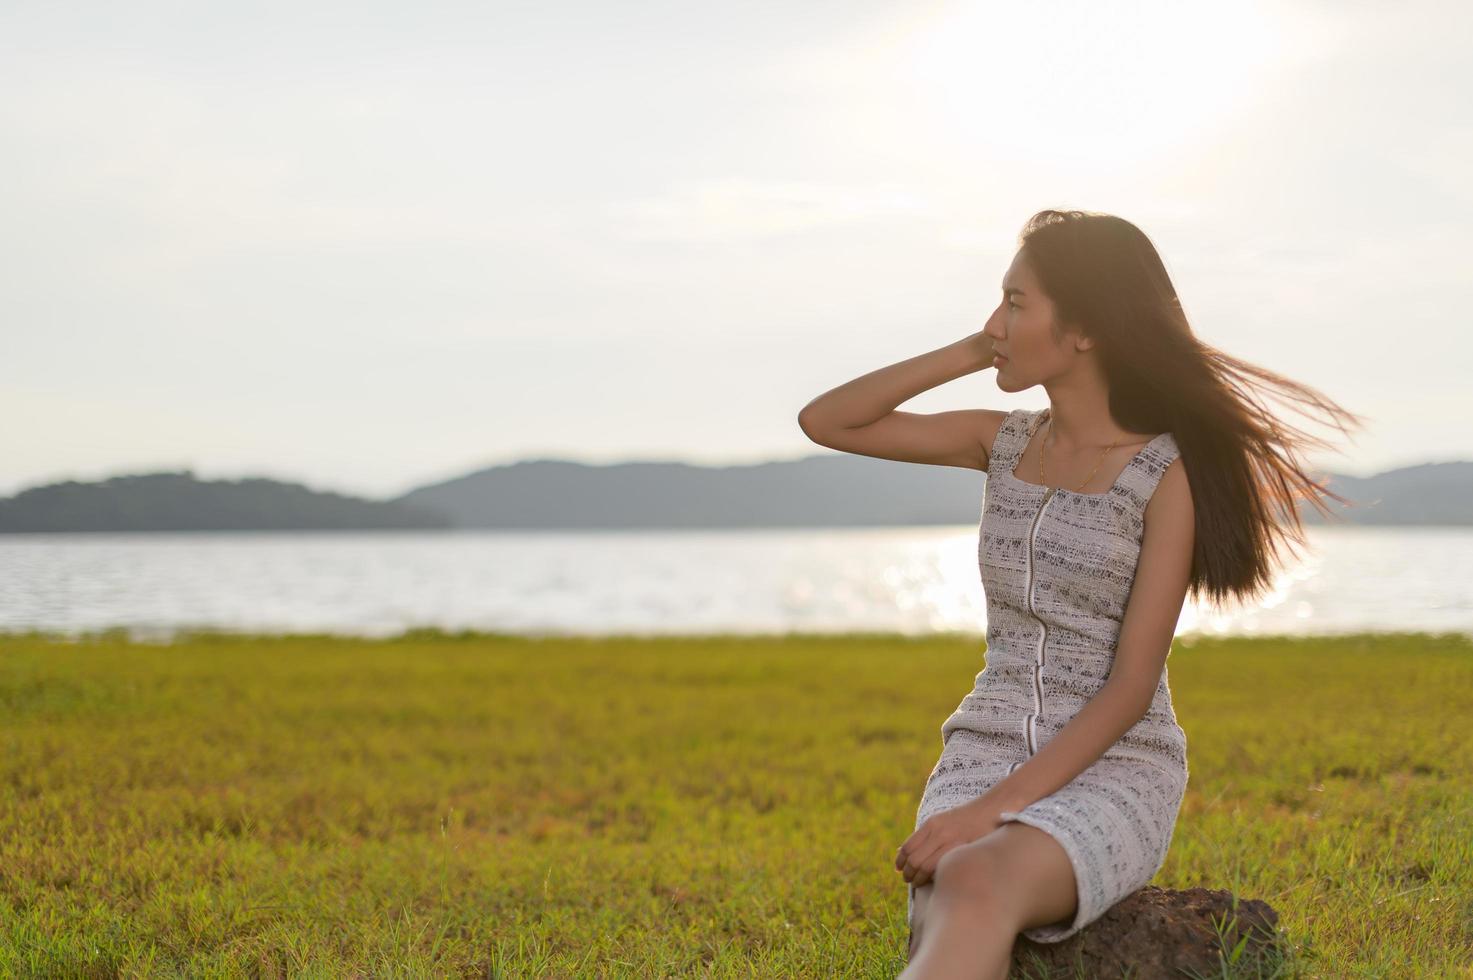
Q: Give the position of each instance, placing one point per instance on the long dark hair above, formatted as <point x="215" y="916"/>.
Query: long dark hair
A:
<point x="1107" y="281"/>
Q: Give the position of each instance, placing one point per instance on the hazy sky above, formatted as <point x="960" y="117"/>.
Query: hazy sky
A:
<point x="366" y="246"/>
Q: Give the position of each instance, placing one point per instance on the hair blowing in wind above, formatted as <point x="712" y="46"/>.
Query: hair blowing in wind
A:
<point x="1107" y="280"/>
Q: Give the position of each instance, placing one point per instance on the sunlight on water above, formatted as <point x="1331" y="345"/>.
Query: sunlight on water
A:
<point x="908" y="580"/>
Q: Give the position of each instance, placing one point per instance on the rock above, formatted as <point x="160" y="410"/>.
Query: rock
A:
<point x="1160" y="933"/>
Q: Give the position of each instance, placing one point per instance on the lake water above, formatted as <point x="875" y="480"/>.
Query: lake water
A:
<point x="904" y="579"/>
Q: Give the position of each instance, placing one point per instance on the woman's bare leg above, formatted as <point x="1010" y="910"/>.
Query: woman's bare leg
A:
<point x="922" y="899"/>
<point x="985" y="893"/>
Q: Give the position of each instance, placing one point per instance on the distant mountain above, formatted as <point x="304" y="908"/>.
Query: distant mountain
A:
<point x="819" y="491"/>
<point x="1425" y="494"/>
<point x="179" y="502"/>
<point x="830" y="490"/>
<point x="840" y="489"/>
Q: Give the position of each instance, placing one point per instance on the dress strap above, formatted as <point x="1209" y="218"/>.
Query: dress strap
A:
<point x="1149" y="465"/>
<point x="1012" y="438"/>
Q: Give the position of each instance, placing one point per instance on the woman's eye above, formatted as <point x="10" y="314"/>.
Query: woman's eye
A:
<point x="1013" y="306"/>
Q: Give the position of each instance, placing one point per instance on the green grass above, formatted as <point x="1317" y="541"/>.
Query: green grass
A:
<point x="503" y="807"/>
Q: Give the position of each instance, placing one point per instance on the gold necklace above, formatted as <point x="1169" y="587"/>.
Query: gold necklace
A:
<point x="1049" y="437"/>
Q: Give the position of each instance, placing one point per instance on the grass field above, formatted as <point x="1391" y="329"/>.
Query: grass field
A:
<point x="503" y="807"/>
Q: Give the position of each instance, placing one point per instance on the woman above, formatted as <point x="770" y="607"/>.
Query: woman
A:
<point x="1151" y="473"/>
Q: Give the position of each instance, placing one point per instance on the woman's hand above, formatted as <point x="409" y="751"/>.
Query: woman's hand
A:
<point x="922" y="850"/>
<point x="982" y="348"/>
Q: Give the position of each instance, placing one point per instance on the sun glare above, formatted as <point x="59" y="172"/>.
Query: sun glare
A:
<point x="1085" y="82"/>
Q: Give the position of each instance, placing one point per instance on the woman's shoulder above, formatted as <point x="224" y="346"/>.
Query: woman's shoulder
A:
<point x="1144" y="473"/>
<point x="1165" y="447"/>
<point x="1169" y="502"/>
<point x="1008" y="431"/>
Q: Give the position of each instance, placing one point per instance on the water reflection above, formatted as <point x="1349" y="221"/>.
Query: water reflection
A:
<point x="908" y="580"/>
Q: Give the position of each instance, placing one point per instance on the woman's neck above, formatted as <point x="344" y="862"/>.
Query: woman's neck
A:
<point x="1069" y="432"/>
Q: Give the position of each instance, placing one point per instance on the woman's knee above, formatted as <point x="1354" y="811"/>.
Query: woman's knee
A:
<point x="970" y="872"/>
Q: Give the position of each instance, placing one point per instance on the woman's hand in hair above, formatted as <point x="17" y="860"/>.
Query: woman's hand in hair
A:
<point x="983" y="345"/>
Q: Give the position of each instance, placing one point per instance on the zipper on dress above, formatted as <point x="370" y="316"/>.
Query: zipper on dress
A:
<point x="1030" y="732"/>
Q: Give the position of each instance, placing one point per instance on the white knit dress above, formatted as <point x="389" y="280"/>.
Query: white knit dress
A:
<point x="1057" y="569"/>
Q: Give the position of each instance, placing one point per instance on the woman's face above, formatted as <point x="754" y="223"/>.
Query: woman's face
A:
<point x="1020" y="329"/>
